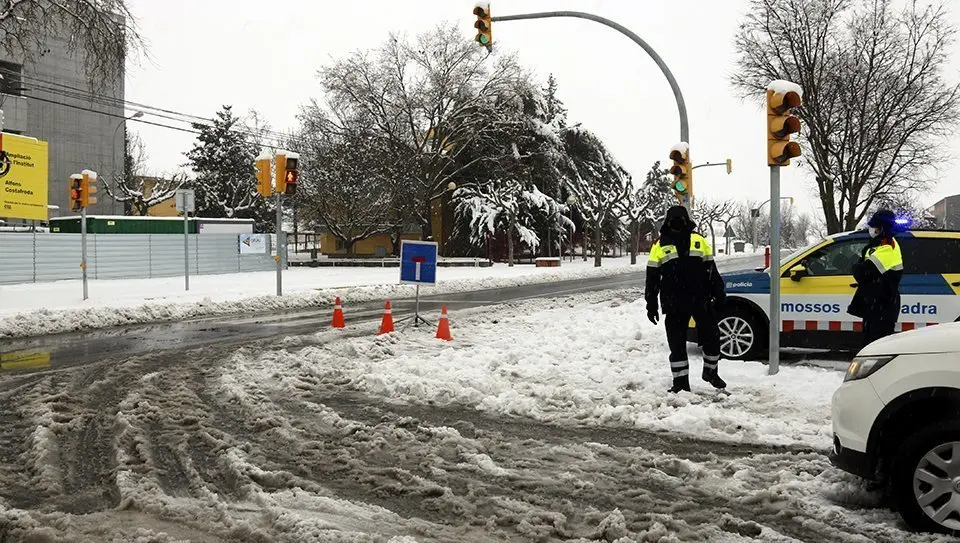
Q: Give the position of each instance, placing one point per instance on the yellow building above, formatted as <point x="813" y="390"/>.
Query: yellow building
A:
<point x="166" y="208"/>
<point x="377" y="246"/>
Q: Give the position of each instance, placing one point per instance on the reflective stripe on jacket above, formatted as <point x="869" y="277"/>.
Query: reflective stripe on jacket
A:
<point x="681" y="281"/>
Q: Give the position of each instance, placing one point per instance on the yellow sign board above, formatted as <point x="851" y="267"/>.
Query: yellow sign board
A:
<point x="24" y="360"/>
<point x="23" y="178"/>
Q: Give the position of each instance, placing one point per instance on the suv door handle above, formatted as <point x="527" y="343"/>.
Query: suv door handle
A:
<point x="853" y="285"/>
<point x="956" y="283"/>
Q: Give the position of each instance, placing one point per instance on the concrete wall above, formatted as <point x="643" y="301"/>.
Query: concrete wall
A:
<point x="77" y="139"/>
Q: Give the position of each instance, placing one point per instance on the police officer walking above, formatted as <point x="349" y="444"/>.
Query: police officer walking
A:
<point x="878" y="273"/>
<point x="682" y="272"/>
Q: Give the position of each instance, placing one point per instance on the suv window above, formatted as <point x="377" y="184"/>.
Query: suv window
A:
<point x="835" y="259"/>
<point x="930" y="255"/>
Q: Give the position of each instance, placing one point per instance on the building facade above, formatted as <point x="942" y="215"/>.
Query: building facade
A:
<point x="946" y="213"/>
<point x="50" y="98"/>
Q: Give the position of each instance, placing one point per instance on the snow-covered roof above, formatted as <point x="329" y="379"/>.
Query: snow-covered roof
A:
<point x="683" y="147"/>
<point x="89" y="173"/>
<point x="782" y="86"/>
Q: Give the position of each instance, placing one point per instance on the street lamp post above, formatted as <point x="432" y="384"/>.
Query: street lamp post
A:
<point x="116" y="130"/>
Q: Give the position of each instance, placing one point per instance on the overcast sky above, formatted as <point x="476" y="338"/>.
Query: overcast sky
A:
<point x="264" y="55"/>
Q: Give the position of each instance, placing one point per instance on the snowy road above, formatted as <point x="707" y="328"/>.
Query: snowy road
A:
<point x="400" y="440"/>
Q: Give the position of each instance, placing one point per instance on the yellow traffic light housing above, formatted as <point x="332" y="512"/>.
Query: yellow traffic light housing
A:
<point x="782" y="98"/>
<point x="483" y="24"/>
<point x="291" y="174"/>
<point x="682" y="171"/>
<point x="280" y="165"/>
<point x="76" y="192"/>
<point x="264" y="185"/>
<point x="88" y="187"/>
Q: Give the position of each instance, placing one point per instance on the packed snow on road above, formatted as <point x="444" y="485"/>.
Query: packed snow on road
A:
<point x="540" y="421"/>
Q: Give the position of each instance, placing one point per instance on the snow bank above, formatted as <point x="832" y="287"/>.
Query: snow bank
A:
<point x="782" y="86"/>
<point x="48" y="308"/>
<point x="572" y="361"/>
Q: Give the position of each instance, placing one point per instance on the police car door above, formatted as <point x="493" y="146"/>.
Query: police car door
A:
<point x="930" y="287"/>
<point x="816" y="291"/>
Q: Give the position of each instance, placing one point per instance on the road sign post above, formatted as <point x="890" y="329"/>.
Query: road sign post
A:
<point x="418" y="266"/>
<point x="186" y="204"/>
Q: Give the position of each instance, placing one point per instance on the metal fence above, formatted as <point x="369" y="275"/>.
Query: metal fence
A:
<point x="37" y="257"/>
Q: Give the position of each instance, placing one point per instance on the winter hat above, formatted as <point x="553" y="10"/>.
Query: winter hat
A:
<point x="883" y="220"/>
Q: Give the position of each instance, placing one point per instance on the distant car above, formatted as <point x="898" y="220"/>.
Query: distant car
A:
<point x="896" y="420"/>
<point x="816" y="287"/>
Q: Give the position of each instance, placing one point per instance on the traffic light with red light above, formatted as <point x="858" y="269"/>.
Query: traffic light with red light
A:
<point x="76" y="192"/>
<point x="291" y="174"/>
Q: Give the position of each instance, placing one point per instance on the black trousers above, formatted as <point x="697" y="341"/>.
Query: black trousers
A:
<point x="876" y="328"/>
<point x="708" y="334"/>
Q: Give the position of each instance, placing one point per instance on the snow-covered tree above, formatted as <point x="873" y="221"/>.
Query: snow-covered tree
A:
<point x="223" y="160"/>
<point x="429" y="100"/>
<point x="505" y="205"/>
<point x="643" y="206"/>
<point x="707" y="213"/>
<point x="102" y="32"/>
<point x="137" y="192"/>
<point x="344" y="177"/>
<point x="596" y="180"/>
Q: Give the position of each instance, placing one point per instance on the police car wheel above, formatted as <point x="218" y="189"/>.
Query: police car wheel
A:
<point x="739" y="335"/>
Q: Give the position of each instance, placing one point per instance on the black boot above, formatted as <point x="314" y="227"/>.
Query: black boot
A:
<point x="711" y="376"/>
<point x="680" y="383"/>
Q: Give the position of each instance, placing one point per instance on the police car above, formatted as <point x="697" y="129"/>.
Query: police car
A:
<point x="816" y="286"/>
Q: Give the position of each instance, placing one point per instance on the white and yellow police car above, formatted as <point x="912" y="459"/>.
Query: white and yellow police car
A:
<point x="816" y="286"/>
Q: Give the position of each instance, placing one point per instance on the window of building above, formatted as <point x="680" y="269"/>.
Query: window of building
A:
<point x="12" y="81"/>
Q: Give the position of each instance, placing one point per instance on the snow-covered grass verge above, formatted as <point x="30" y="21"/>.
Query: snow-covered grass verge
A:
<point x="576" y="360"/>
<point x="48" y="308"/>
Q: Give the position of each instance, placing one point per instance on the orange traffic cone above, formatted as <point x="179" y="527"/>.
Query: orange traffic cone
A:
<point x="338" y="320"/>
<point x="443" y="329"/>
<point x="386" y="326"/>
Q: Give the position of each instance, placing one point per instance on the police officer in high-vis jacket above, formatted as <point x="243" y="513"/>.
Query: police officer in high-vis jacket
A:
<point x="681" y="271"/>
<point x="878" y="273"/>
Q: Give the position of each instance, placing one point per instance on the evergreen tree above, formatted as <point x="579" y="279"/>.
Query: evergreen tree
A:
<point x="223" y="160"/>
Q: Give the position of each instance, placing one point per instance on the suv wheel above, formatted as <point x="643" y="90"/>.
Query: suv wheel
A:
<point x="926" y="479"/>
<point x="741" y="337"/>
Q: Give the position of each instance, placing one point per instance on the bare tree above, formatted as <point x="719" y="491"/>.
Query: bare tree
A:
<point x="642" y="205"/>
<point x="707" y="213"/>
<point x="103" y="32"/>
<point x="876" y="107"/>
<point x="428" y="99"/>
<point x="596" y="180"/>
<point x="136" y="191"/>
<point x="343" y="180"/>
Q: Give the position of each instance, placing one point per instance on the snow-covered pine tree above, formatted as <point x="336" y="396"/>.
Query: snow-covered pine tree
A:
<point x="225" y="184"/>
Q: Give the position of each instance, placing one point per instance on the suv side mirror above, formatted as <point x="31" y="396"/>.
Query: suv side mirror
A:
<point x="798" y="272"/>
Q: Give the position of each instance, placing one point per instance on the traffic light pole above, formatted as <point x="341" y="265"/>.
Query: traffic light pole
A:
<point x="773" y="366"/>
<point x="83" y="249"/>
<point x="279" y="245"/>
<point x="681" y="105"/>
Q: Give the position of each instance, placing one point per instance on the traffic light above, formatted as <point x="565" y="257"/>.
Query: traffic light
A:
<point x="682" y="171"/>
<point x="264" y="186"/>
<point x="483" y="24"/>
<point x="280" y="164"/>
<point x="88" y="186"/>
<point x="291" y="174"/>
<point x="76" y="192"/>
<point x="782" y="98"/>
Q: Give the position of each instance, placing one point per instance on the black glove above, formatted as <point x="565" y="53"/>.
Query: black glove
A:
<point x="653" y="314"/>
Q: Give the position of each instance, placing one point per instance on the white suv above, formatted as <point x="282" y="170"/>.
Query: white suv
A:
<point x="896" y="420"/>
